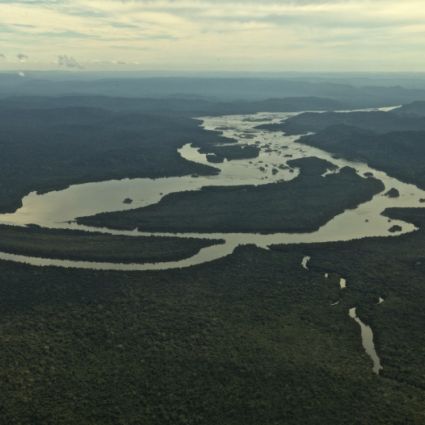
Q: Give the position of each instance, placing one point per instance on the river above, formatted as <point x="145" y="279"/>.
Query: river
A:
<point x="59" y="209"/>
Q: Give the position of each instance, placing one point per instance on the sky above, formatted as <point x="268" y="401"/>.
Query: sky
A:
<point x="214" y="35"/>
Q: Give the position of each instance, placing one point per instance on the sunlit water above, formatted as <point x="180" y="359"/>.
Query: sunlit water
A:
<point x="305" y="261"/>
<point x="367" y="341"/>
<point x="59" y="209"/>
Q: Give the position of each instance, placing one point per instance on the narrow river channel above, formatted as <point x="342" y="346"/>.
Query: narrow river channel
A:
<point x="367" y="340"/>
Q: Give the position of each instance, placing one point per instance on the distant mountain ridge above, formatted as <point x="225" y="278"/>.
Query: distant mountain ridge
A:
<point x="180" y="106"/>
<point x="414" y="108"/>
<point x="218" y="89"/>
<point x="377" y="121"/>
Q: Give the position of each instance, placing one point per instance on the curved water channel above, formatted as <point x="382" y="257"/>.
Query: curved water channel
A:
<point x="59" y="209"/>
<point x="367" y="340"/>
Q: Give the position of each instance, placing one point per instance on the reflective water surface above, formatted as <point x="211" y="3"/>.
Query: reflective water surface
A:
<point x="304" y="262"/>
<point x="367" y="341"/>
<point x="59" y="209"/>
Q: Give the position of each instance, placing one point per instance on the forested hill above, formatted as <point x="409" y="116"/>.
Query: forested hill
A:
<point x="182" y="106"/>
<point x="414" y="108"/>
<point x="377" y="121"/>
<point x="224" y="89"/>
<point x="400" y="154"/>
<point x="47" y="149"/>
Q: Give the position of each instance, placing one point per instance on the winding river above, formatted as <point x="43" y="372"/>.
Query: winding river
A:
<point x="367" y="340"/>
<point x="59" y="209"/>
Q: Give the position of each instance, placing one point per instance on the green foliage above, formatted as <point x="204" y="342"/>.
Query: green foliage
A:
<point x="390" y="141"/>
<point x="376" y="121"/>
<point x="400" y="154"/>
<point x="249" y="339"/>
<point x="188" y="106"/>
<point x="76" y="245"/>
<point x="232" y="152"/>
<point x="414" y="108"/>
<point x="392" y="268"/>
<point x="301" y="205"/>
<point x="47" y="149"/>
<point x="256" y="343"/>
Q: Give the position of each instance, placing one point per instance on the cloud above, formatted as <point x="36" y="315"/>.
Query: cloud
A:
<point x="2" y="57"/>
<point x="68" y="62"/>
<point x="22" y="57"/>
<point x="233" y="34"/>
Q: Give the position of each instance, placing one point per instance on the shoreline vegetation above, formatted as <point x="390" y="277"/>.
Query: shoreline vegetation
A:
<point x="50" y="149"/>
<point x="77" y="245"/>
<point x="300" y="205"/>
<point x="388" y="141"/>
<point x="251" y="338"/>
<point x="51" y="143"/>
<point x="196" y="346"/>
<point x="387" y="268"/>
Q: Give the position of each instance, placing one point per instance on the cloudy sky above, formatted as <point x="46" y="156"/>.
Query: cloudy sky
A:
<point x="227" y="35"/>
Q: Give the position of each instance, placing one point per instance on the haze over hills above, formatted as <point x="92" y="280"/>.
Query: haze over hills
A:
<point x="377" y="121"/>
<point x="185" y="105"/>
<point x="414" y="108"/>
<point x="212" y="88"/>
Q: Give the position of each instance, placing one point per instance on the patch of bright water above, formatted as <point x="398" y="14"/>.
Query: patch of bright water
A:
<point x="367" y="341"/>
